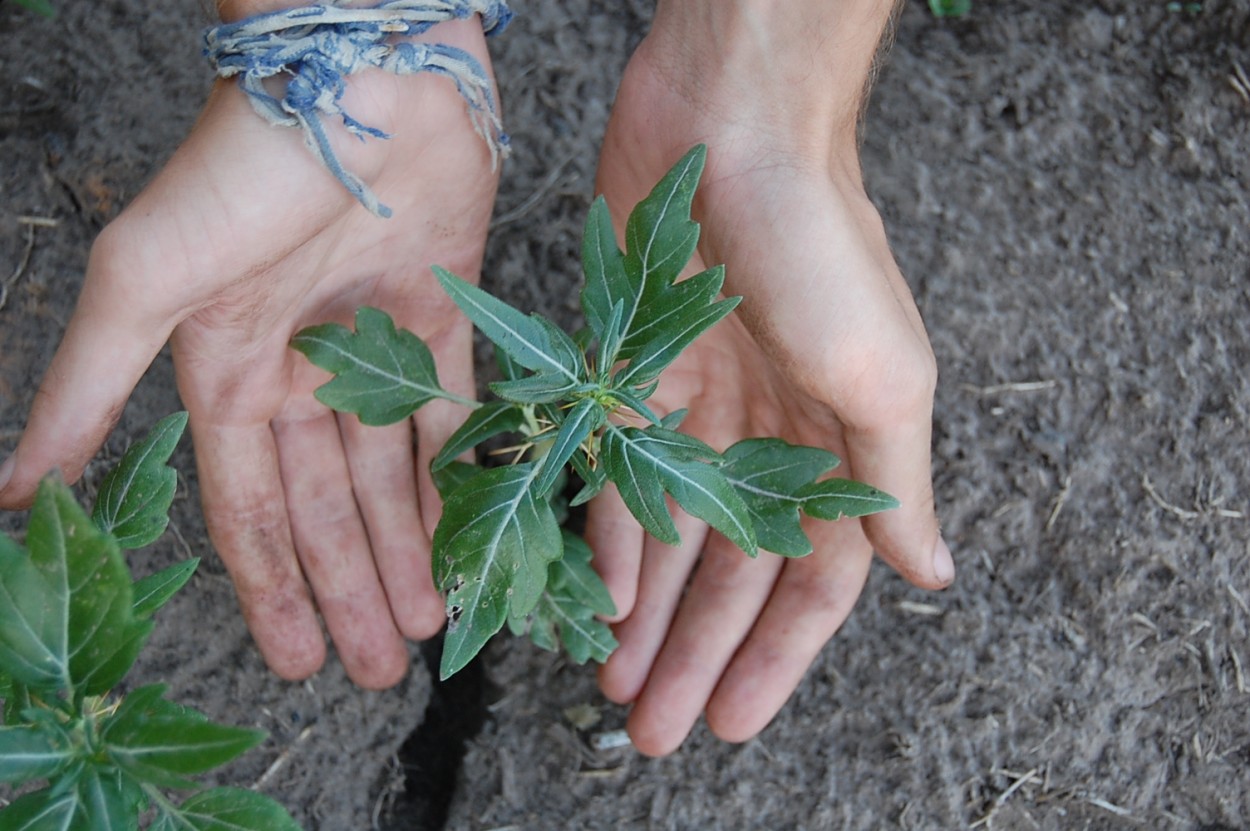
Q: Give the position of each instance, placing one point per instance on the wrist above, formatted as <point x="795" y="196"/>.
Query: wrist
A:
<point x="796" y="67"/>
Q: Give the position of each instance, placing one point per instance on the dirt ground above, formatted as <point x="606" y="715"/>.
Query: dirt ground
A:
<point x="1067" y="187"/>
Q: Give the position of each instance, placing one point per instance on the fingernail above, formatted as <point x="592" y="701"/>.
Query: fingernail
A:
<point x="6" y="471"/>
<point x="943" y="563"/>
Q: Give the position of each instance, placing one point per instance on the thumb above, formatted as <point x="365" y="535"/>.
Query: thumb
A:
<point x="111" y="340"/>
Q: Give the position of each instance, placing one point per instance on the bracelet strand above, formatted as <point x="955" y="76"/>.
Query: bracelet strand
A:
<point x="316" y="47"/>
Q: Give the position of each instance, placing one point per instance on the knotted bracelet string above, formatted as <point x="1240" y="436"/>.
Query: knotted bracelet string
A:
<point x="315" y="48"/>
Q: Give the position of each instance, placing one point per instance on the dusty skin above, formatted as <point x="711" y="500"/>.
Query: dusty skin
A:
<point x="1065" y="186"/>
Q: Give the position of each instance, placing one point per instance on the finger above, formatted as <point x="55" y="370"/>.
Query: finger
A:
<point x="384" y="478"/>
<point x="110" y="342"/>
<point x="896" y="460"/>
<point x="437" y="420"/>
<point x="617" y="541"/>
<point x="728" y="591"/>
<point x="662" y="580"/>
<point x="246" y="514"/>
<point x="809" y="603"/>
<point x="333" y="548"/>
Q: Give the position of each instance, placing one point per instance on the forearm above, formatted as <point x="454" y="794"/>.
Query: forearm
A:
<point x="808" y="62"/>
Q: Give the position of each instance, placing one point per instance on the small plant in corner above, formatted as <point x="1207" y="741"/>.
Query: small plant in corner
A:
<point x="579" y="403"/>
<point x="72" y="622"/>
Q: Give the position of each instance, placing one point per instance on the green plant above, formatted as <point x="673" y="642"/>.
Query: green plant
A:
<point x="580" y="401"/>
<point x="42" y="7"/>
<point x="72" y="623"/>
<point x="950" y="8"/>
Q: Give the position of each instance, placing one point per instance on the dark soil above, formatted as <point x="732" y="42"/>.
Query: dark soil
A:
<point x="1067" y="187"/>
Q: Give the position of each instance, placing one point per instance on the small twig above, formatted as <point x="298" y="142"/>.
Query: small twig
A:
<point x="914" y="608"/>
<point x="1163" y="503"/>
<point x="39" y="221"/>
<point x="1241" y="601"/>
<point x="1240" y="82"/>
<point x="1237" y="673"/>
<point x="1107" y="806"/>
<point x="22" y="263"/>
<point x="1060" y="501"/>
<point x="533" y="199"/>
<point x="273" y="769"/>
<point x="1019" y="386"/>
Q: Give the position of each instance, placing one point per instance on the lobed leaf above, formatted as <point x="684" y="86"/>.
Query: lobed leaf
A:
<point x="41" y="810"/>
<point x="529" y="340"/>
<point x="67" y="619"/>
<point x="645" y="463"/>
<point x="769" y="475"/>
<point x="134" y="498"/>
<point x="382" y="374"/>
<point x="161" y="742"/>
<point x="671" y="340"/>
<point x="541" y="388"/>
<point x="491" y="552"/>
<point x="566" y="613"/>
<point x="155" y="590"/>
<point x="484" y="423"/>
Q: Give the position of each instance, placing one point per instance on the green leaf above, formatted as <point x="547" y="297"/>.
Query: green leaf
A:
<point x="37" y="752"/>
<point x="453" y="475"/>
<point x="645" y="463"/>
<point x="769" y="475"/>
<point x="41" y="810"/>
<point x="42" y="7"/>
<point x="484" y="423"/>
<point x="672" y="305"/>
<point x="610" y="340"/>
<point x="635" y="403"/>
<point x="134" y="499"/>
<point x="950" y="8"/>
<point x="606" y="282"/>
<point x="155" y="590"/>
<point x="543" y="388"/>
<point x="491" y="551"/>
<point x="838" y="498"/>
<point x="106" y="801"/>
<point x="382" y="374"/>
<point x="67" y="619"/>
<point x="674" y="337"/>
<point x="593" y="478"/>
<point x="528" y="339"/>
<point x="16" y="700"/>
<point x="161" y="742"/>
<point x="229" y="809"/>
<point x="566" y="613"/>
<point x="573" y="575"/>
<point x="586" y="417"/>
<point x="660" y="237"/>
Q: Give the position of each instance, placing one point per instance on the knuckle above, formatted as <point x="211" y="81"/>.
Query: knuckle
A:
<point x="878" y="388"/>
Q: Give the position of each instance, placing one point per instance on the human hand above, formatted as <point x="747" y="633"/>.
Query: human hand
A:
<point x="243" y="239"/>
<point x="827" y="349"/>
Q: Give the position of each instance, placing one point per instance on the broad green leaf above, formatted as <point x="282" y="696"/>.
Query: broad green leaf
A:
<point x="36" y="752"/>
<point x="41" y="810"/>
<point x="484" y="423"/>
<point x="769" y="475"/>
<point x="660" y="236"/>
<point x="586" y="417"/>
<point x="229" y="809"/>
<point x="454" y="474"/>
<point x="162" y="742"/>
<point x="134" y="499"/>
<point x="542" y="388"/>
<point x="838" y="498"/>
<point x="382" y="374"/>
<point x="155" y="590"/>
<point x="529" y="340"/>
<point x="606" y="282"/>
<point x="106" y="800"/>
<point x="642" y="462"/>
<point x="491" y="552"/>
<point x="566" y="613"/>
<point x="671" y="306"/>
<point x="67" y="619"/>
<point x="672" y="340"/>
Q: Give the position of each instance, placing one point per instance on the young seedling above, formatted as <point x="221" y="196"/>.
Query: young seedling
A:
<point x="579" y="402"/>
<point x="72" y="623"/>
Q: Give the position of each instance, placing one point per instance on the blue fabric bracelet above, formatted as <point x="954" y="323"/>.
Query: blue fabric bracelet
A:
<point x="316" y="47"/>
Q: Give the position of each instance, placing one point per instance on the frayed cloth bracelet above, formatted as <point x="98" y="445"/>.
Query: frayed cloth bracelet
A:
<point x="317" y="47"/>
